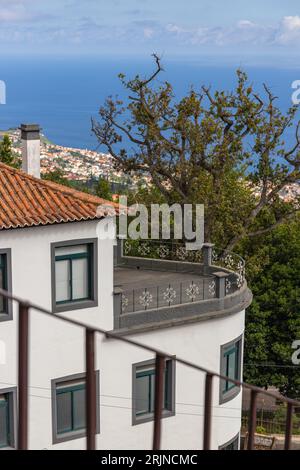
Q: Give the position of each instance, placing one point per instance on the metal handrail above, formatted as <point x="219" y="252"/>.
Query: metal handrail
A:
<point x="23" y="344"/>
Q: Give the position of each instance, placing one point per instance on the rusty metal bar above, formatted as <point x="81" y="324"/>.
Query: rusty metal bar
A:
<point x="23" y="376"/>
<point x="252" y="420"/>
<point x="159" y="388"/>
<point x="91" y="399"/>
<point x="207" y="411"/>
<point x="288" y="427"/>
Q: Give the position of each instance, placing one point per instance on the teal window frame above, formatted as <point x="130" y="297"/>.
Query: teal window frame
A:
<point x="5" y="404"/>
<point x="234" y="349"/>
<point x="4" y="272"/>
<point x="151" y="374"/>
<point x="9" y="403"/>
<point x="147" y="369"/>
<point x="70" y="258"/>
<point x="69" y="384"/>
<point x="70" y="390"/>
<point x="230" y="356"/>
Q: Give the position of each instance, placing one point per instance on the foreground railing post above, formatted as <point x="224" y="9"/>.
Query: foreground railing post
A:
<point x="288" y="427"/>
<point x="23" y="355"/>
<point x="159" y="386"/>
<point x="252" y="420"/>
<point x="91" y="399"/>
<point x="207" y="411"/>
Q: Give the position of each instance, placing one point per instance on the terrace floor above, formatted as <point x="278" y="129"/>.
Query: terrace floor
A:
<point x="133" y="278"/>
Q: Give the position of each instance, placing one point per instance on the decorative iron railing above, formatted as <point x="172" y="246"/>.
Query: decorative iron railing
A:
<point x="24" y="318"/>
<point x="168" y="295"/>
<point x="232" y="262"/>
<point x="162" y="249"/>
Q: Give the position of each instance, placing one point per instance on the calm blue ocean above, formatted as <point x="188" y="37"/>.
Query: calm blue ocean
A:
<point x="61" y="94"/>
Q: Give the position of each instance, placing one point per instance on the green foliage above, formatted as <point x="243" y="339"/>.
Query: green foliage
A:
<point x="261" y="430"/>
<point x="212" y="148"/>
<point x="6" y="153"/>
<point x="103" y="189"/>
<point x="57" y="176"/>
<point x="280" y="417"/>
<point x="273" y="320"/>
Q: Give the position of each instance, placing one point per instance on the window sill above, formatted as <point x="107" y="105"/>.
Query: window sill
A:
<point x="150" y="417"/>
<point x="69" y="436"/>
<point x="69" y="306"/>
<point x="5" y="317"/>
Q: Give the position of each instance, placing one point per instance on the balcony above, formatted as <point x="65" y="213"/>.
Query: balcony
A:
<point x="162" y="282"/>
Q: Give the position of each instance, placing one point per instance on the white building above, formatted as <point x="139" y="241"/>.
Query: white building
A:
<point x="51" y="254"/>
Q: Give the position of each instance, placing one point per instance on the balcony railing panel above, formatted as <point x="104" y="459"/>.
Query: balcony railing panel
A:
<point x="168" y="294"/>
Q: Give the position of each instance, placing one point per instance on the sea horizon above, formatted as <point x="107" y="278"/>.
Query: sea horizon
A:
<point x="63" y="94"/>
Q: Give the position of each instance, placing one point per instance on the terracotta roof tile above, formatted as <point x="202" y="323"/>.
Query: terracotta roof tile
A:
<point x="26" y="201"/>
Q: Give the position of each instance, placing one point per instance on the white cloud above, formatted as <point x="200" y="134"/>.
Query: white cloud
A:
<point x="244" y="31"/>
<point x="12" y="15"/>
<point x="289" y="30"/>
<point x="291" y="23"/>
<point x="245" y="24"/>
<point x="148" y="33"/>
<point x="14" y="11"/>
<point x="85" y="31"/>
<point x="174" y="28"/>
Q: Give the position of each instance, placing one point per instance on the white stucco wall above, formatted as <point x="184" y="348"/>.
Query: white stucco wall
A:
<point x="199" y="343"/>
<point x="57" y="350"/>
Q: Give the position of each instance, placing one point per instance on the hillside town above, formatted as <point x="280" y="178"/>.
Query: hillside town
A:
<point x="84" y="165"/>
<point x="77" y="164"/>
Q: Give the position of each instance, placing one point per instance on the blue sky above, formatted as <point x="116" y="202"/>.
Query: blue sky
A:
<point x="254" y="30"/>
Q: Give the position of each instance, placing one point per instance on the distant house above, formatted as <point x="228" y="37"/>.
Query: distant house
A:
<point x="51" y="254"/>
<point x="264" y="402"/>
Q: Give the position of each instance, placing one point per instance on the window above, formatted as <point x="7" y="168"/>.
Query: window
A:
<point x="231" y="445"/>
<point x="74" y="278"/>
<point x="5" y="284"/>
<point x="68" y="408"/>
<point x="7" y="414"/>
<point x="231" y="355"/>
<point x="144" y="391"/>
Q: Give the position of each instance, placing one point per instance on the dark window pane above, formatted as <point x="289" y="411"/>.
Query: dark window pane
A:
<point x="145" y="390"/>
<point x="168" y="386"/>
<point x="79" y="409"/>
<point x="142" y="395"/>
<point x="4" y="421"/>
<point x="64" y="412"/>
<point x="152" y="393"/>
<point x="232" y="365"/>
<point x="3" y="283"/>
